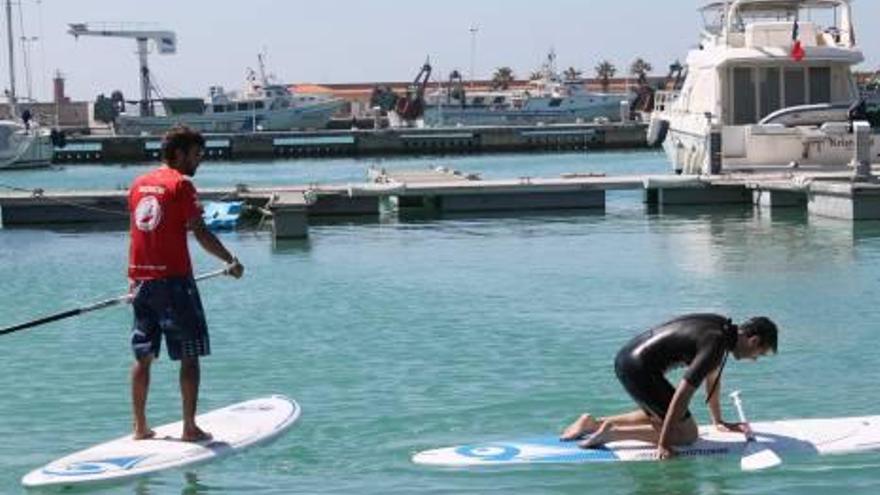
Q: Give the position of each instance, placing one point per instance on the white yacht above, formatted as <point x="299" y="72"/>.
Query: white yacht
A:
<point x="24" y="147"/>
<point x="769" y="85"/>
<point x="550" y="99"/>
<point x="23" y="144"/>
<point x="260" y="106"/>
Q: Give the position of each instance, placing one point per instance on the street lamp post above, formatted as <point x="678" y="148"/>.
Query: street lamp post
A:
<point x="474" y="29"/>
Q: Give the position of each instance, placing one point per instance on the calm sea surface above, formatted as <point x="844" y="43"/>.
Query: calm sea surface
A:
<point x="399" y="336"/>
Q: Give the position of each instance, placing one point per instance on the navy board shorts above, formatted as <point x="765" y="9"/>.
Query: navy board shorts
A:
<point x="170" y="307"/>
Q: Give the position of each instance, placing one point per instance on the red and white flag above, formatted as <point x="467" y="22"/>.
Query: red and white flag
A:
<point x="797" y="49"/>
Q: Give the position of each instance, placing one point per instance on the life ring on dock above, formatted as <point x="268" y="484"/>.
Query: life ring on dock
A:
<point x="657" y="131"/>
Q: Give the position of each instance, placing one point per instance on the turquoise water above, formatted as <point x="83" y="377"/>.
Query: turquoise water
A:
<point x="402" y="336"/>
<point x="307" y="171"/>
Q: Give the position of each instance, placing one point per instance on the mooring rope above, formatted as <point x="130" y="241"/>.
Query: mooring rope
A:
<point x="41" y="193"/>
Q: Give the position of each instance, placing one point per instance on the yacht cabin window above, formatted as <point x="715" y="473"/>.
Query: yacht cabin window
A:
<point x="743" y="96"/>
<point x="771" y="99"/>
<point x="258" y="105"/>
<point x="755" y="92"/>
<point x="820" y="85"/>
<point x="795" y="87"/>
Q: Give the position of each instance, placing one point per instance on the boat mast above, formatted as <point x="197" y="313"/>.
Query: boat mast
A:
<point x="12" y="101"/>
<point x="263" y="78"/>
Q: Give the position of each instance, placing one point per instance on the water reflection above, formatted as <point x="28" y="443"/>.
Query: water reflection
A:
<point x="739" y="238"/>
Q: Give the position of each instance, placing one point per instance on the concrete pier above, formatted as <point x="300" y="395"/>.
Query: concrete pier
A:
<point x="852" y="201"/>
<point x="820" y="193"/>
<point x="289" y="214"/>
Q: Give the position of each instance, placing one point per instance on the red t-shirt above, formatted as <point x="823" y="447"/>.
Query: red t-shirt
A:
<point x="160" y="203"/>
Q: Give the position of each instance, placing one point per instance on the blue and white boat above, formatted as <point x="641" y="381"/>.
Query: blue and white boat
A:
<point x="550" y="99"/>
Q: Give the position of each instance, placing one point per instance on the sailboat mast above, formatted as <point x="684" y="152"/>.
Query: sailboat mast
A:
<point x="11" y="56"/>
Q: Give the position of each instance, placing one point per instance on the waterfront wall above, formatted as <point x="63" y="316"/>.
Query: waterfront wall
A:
<point x="359" y="142"/>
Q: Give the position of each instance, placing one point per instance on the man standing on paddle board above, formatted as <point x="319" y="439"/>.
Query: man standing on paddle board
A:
<point x="701" y="342"/>
<point x="163" y="207"/>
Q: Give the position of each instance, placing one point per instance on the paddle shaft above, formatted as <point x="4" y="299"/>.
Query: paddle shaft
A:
<point x="737" y="403"/>
<point x="91" y="307"/>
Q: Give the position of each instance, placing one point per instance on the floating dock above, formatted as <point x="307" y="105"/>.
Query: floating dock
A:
<point x="329" y="143"/>
<point x="827" y="193"/>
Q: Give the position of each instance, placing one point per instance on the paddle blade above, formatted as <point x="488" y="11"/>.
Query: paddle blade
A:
<point x="757" y="457"/>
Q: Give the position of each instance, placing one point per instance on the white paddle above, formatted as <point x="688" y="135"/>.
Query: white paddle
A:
<point x="755" y="456"/>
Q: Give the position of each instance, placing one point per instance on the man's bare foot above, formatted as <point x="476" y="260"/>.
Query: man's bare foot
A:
<point x="144" y="434"/>
<point x="196" y="435"/>
<point x="598" y="438"/>
<point x="581" y="426"/>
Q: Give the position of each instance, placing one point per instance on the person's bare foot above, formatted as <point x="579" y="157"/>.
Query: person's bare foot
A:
<point x="598" y="438"/>
<point x="143" y="434"/>
<point x="582" y="425"/>
<point x="196" y="435"/>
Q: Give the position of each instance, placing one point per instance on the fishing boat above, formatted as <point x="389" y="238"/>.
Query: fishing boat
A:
<point x="548" y="99"/>
<point x="260" y="106"/>
<point x="770" y="85"/>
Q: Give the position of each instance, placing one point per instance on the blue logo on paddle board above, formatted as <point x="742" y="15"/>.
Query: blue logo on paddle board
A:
<point x="99" y="466"/>
<point x="488" y="452"/>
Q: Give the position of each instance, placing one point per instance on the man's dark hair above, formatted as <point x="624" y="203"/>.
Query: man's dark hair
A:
<point x="180" y="138"/>
<point x="764" y="328"/>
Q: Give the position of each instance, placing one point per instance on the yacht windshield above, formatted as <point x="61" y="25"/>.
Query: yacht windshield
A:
<point x="757" y="11"/>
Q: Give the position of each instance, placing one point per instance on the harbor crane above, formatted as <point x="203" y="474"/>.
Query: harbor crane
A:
<point x="165" y="41"/>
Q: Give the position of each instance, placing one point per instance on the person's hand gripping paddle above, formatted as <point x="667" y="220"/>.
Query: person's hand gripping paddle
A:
<point x="755" y="455"/>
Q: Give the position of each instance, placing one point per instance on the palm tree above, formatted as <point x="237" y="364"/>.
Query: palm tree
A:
<point x="502" y="78"/>
<point x="604" y="72"/>
<point x="572" y="74"/>
<point x="641" y="69"/>
<point x="536" y="75"/>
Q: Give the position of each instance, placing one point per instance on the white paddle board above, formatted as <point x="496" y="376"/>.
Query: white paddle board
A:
<point x="804" y="436"/>
<point x="233" y="428"/>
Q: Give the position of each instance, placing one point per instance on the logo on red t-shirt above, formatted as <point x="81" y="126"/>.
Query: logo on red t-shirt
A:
<point x="147" y="214"/>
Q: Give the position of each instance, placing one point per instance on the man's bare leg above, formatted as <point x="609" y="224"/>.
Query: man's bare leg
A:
<point x="586" y="423"/>
<point x="190" y="376"/>
<point x="683" y="433"/>
<point x="140" y="386"/>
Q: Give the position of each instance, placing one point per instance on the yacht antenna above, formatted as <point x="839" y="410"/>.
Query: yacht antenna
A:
<point x="12" y="100"/>
<point x="26" y="52"/>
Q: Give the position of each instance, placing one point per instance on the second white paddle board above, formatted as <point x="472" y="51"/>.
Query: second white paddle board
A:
<point x="233" y="428"/>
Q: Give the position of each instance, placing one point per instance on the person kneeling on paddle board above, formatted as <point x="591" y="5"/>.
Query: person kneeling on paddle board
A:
<point x="699" y="341"/>
<point x="163" y="206"/>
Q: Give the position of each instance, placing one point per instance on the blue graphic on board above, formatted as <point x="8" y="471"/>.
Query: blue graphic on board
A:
<point x="543" y="449"/>
<point x="86" y="468"/>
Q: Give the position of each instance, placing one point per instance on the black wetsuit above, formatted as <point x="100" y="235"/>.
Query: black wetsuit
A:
<point x="698" y="341"/>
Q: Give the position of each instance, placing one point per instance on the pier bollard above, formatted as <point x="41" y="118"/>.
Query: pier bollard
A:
<point x="289" y="215"/>
<point x="861" y="161"/>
